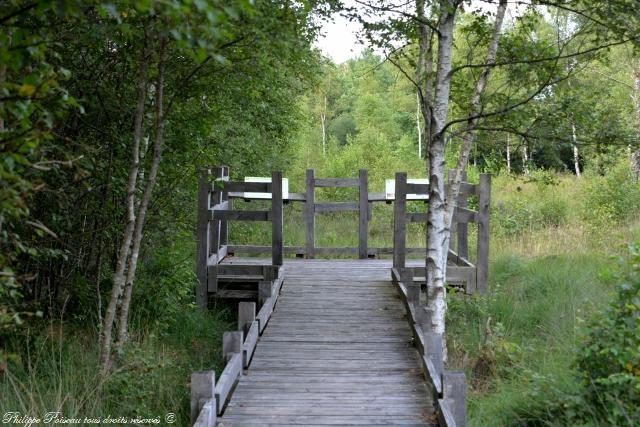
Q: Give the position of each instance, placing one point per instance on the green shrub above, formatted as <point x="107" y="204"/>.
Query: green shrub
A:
<point x="609" y="359"/>
<point x="612" y="198"/>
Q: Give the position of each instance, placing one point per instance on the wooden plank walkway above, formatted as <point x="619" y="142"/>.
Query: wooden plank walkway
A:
<point x="337" y="351"/>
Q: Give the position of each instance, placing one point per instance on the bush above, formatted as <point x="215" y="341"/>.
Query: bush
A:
<point x="609" y="359"/>
<point x="612" y="198"/>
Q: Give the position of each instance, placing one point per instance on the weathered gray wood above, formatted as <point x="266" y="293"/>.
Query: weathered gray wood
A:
<point x="416" y="217"/>
<point x="229" y="215"/>
<point x="482" y="257"/>
<point x="203" y="384"/>
<point x="242" y="187"/>
<point x="363" y="214"/>
<point x="462" y="229"/>
<point x="335" y="207"/>
<point x="202" y="243"/>
<point x="207" y="416"/>
<point x="309" y="214"/>
<point x="416" y="189"/>
<point x="231" y="343"/>
<point x="264" y="291"/>
<point x="239" y="270"/>
<point x="399" y="217"/>
<point x="246" y="315"/>
<point x="224" y="205"/>
<point x="212" y="277"/>
<point x="446" y="417"/>
<point x="250" y="342"/>
<point x="232" y="371"/>
<point x="464" y="215"/>
<point x="224" y="225"/>
<point x="454" y="389"/>
<point x="433" y="347"/>
<point x="336" y="351"/>
<point x="337" y="182"/>
<point x="277" y="219"/>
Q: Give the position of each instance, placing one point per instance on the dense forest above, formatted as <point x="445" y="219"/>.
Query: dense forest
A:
<point x="109" y="109"/>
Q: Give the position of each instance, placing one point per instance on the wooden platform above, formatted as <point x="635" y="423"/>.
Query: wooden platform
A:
<point x="337" y="351"/>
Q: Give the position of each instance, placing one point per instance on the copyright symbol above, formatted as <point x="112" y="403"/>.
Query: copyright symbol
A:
<point x="170" y="418"/>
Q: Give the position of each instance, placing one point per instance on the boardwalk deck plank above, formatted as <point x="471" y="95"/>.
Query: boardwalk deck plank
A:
<point x="336" y="351"/>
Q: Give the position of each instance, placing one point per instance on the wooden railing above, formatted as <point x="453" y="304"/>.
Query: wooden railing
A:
<point x="216" y="195"/>
<point x="208" y="397"/>
<point x="474" y="277"/>
<point x="449" y="387"/>
<point x="215" y="210"/>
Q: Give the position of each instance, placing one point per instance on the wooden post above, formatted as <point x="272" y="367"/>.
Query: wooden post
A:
<point x="217" y="197"/>
<point x="453" y="229"/>
<point x="463" y="229"/>
<point x="454" y="388"/>
<point x="264" y="290"/>
<point x="277" y="247"/>
<point x="400" y="220"/>
<point x="433" y="347"/>
<point x="246" y="315"/>
<point x="202" y="233"/>
<point x="309" y="214"/>
<point x="203" y="385"/>
<point x="224" y="225"/>
<point x="363" y="212"/>
<point x="231" y="343"/>
<point x="482" y="257"/>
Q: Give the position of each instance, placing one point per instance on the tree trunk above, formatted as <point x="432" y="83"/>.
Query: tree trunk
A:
<point x="123" y="253"/>
<point x="437" y="229"/>
<point x="525" y="159"/>
<point x="635" y="154"/>
<point x="418" y="125"/>
<point x="323" y="119"/>
<point x="146" y="197"/>
<point x="508" y="154"/>
<point x="576" y="154"/>
<point x="441" y="206"/>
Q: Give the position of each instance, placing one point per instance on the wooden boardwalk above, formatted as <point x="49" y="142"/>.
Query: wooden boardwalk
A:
<point x="337" y="351"/>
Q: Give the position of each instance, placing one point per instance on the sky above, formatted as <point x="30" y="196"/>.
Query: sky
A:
<point x="340" y="43"/>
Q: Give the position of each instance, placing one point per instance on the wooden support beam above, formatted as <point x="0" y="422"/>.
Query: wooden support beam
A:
<point x="309" y="214"/>
<point x="399" y="220"/>
<point x="454" y="390"/>
<point x="277" y="219"/>
<point x="264" y="291"/>
<point x="482" y="257"/>
<point x="363" y="215"/>
<point x="207" y="416"/>
<point x="228" y="378"/>
<point x="335" y="207"/>
<point x="202" y="242"/>
<point x="246" y="315"/>
<point x="462" y="229"/>
<point x="250" y="342"/>
<point x="231" y="343"/>
<point x="337" y="182"/>
<point x="203" y="385"/>
<point x="229" y="215"/>
<point x="244" y="187"/>
<point x="416" y="189"/>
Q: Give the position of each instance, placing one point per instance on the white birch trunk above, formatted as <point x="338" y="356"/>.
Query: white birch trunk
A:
<point x="576" y="153"/>
<point x="525" y="159"/>
<point x="635" y="154"/>
<point x="418" y="125"/>
<point x="323" y="119"/>
<point x="508" y="154"/>
<point x="123" y="253"/>
<point x="441" y="208"/>
<point x="437" y="230"/>
<point x="146" y="197"/>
